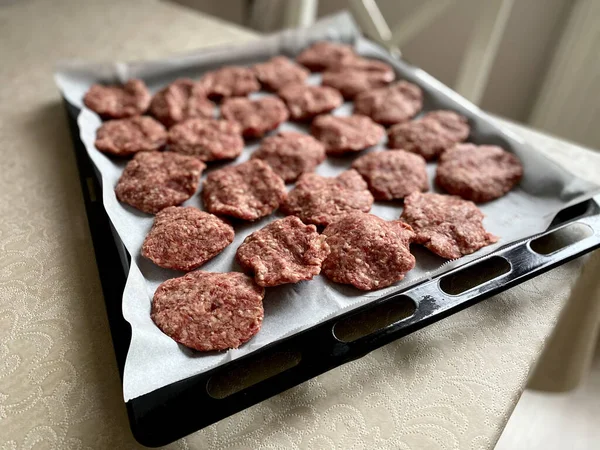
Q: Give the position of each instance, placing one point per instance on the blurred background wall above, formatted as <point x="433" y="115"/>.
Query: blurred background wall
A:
<point x="521" y="73"/>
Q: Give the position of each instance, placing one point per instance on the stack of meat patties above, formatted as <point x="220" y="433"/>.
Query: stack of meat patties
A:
<point x="172" y="136"/>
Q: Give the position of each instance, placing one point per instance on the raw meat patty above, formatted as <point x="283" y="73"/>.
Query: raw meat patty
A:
<point x="184" y="238"/>
<point x="256" y="117"/>
<point x="360" y="64"/>
<point x="350" y="82"/>
<point x="392" y="175"/>
<point x="346" y="134"/>
<point x="351" y="76"/>
<point x="321" y="201"/>
<point x="291" y="154"/>
<point x="430" y="136"/>
<point x="230" y="81"/>
<point x="478" y="173"/>
<point x="152" y="181"/>
<point x="367" y="251"/>
<point x="117" y="102"/>
<point x="306" y="102"/>
<point x="323" y="54"/>
<point x="285" y="251"/>
<point x="248" y="191"/>
<point x="446" y="224"/>
<point x="125" y="137"/>
<point x="279" y="71"/>
<point x="183" y="99"/>
<point x="453" y="123"/>
<point x="209" y="311"/>
<point x="207" y="139"/>
<point x="393" y="104"/>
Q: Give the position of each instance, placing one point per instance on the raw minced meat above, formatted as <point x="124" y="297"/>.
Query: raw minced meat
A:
<point x="350" y="82"/>
<point x="153" y="181"/>
<point x="284" y="251"/>
<point x="324" y="54"/>
<point x="431" y="135"/>
<point x="346" y="134"/>
<point x="392" y="175"/>
<point x="209" y="311"/>
<point x="278" y="72"/>
<point x="392" y="104"/>
<point x="118" y="102"/>
<point x="229" y="81"/>
<point x="182" y="99"/>
<point x="321" y="200"/>
<point x="126" y="137"/>
<point x="446" y="224"/>
<point x="256" y="117"/>
<point x="291" y="154"/>
<point x="478" y="172"/>
<point x="184" y="238"/>
<point x="305" y="102"/>
<point x="247" y="191"/>
<point x="207" y="139"/>
<point x="367" y="251"/>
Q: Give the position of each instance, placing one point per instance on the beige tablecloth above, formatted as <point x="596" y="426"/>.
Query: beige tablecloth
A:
<point x="452" y="385"/>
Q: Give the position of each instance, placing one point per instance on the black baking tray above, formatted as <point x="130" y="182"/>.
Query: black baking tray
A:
<point x="181" y="408"/>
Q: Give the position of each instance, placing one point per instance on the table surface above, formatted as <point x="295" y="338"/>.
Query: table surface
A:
<point x="452" y="385"/>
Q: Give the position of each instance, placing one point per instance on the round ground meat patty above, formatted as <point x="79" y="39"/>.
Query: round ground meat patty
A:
<point x="426" y="138"/>
<point x="183" y="99"/>
<point x="230" y="81"/>
<point x="446" y="224"/>
<point x="125" y="137"/>
<point x="351" y="76"/>
<point x="153" y="181"/>
<point x="184" y="238"/>
<point x="454" y="124"/>
<point x="360" y="64"/>
<point x="209" y="311"/>
<point x="280" y="71"/>
<point x="478" y="172"/>
<point x="118" y="102"/>
<point x="320" y="200"/>
<point x="248" y="191"/>
<point x="256" y="117"/>
<point x="305" y="102"/>
<point x="350" y="82"/>
<point x="368" y="252"/>
<point x="393" y="104"/>
<point x="207" y="139"/>
<point x="392" y="175"/>
<point x="323" y="54"/>
<point x="346" y="134"/>
<point x="430" y="136"/>
<point x="291" y="154"/>
<point x="285" y="251"/>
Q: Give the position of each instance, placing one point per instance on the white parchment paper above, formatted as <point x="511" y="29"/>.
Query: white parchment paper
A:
<point x="154" y="360"/>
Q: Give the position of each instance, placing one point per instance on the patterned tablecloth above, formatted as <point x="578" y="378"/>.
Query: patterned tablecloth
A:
<point x="452" y="385"/>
